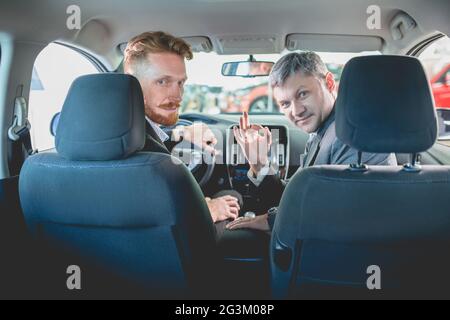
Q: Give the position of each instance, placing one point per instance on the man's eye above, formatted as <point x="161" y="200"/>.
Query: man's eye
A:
<point x="285" y="105"/>
<point x="161" y="82"/>
<point x="302" y="94"/>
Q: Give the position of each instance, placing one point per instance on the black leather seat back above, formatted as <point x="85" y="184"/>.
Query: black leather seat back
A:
<point x="335" y="222"/>
<point x="141" y="216"/>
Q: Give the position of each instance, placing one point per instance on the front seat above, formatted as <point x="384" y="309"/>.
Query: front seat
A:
<point x="359" y="231"/>
<point x="140" y="216"/>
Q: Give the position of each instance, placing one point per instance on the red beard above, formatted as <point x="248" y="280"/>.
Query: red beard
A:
<point x="164" y="120"/>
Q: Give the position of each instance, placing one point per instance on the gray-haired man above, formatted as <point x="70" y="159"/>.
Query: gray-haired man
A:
<point x="306" y="92"/>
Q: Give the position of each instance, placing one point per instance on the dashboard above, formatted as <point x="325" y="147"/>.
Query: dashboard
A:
<point x="238" y="166"/>
<point x="288" y="143"/>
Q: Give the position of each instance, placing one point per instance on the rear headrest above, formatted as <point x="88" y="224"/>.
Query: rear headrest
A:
<point x="102" y="118"/>
<point x="384" y="105"/>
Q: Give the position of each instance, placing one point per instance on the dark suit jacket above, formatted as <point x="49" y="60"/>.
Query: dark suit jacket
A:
<point x="153" y="143"/>
<point x="327" y="149"/>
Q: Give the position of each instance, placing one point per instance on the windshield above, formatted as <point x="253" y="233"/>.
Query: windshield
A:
<point x="208" y="91"/>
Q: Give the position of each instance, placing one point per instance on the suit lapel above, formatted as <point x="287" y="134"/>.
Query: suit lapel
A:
<point x="151" y="132"/>
<point x="321" y="147"/>
<point x="152" y="141"/>
<point x="313" y="151"/>
<point x="324" y="154"/>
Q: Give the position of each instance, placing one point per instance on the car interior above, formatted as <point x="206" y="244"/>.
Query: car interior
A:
<point x="76" y="189"/>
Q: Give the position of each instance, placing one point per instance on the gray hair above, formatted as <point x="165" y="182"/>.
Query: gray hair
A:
<point x="309" y="63"/>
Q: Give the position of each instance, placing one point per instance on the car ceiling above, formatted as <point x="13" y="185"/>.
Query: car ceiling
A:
<point x="109" y="23"/>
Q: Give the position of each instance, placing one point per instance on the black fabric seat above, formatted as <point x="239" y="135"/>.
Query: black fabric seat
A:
<point x="140" y="216"/>
<point x="335" y="222"/>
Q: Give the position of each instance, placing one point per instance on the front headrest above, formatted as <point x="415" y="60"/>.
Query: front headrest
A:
<point x="102" y="119"/>
<point x="384" y="105"/>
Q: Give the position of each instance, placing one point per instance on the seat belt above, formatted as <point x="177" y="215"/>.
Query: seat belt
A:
<point x="25" y="141"/>
<point x="19" y="135"/>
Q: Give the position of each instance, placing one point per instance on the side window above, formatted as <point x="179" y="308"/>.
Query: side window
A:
<point x="445" y="79"/>
<point x="436" y="61"/>
<point x="54" y="70"/>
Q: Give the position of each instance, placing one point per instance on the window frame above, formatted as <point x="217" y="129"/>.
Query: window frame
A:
<point x="95" y="62"/>
<point x="416" y="52"/>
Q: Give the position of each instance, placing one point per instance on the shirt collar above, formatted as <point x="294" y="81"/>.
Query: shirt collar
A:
<point x="159" y="132"/>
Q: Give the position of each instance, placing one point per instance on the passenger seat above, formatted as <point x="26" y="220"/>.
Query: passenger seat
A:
<point x="340" y="227"/>
<point x="139" y="216"/>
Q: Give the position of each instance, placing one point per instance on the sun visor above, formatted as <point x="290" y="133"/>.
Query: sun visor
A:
<point x="333" y="43"/>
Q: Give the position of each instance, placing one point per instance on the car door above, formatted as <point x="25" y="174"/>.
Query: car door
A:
<point x="53" y="72"/>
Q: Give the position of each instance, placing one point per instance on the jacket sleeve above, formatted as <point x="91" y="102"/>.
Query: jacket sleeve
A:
<point x="268" y="194"/>
<point x="343" y="154"/>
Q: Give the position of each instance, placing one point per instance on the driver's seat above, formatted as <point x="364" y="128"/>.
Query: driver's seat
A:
<point x="139" y="216"/>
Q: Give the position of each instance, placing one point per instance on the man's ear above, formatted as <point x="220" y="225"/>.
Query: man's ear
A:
<point x="331" y="83"/>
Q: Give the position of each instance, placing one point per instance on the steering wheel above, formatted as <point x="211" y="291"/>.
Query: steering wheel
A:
<point x="200" y="162"/>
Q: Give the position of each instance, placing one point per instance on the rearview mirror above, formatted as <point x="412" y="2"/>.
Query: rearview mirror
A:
<point x="247" y="69"/>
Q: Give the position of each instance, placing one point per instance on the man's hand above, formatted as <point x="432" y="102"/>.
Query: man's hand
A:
<point x="223" y="208"/>
<point x="257" y="223"/>
<point x="255" y="142"/>
<point x="199" y="134"/>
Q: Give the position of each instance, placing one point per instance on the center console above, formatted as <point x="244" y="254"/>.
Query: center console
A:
<point x="238" y="167"/>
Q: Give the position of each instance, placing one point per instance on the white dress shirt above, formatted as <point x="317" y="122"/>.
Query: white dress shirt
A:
<point x="265" y="171"/>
